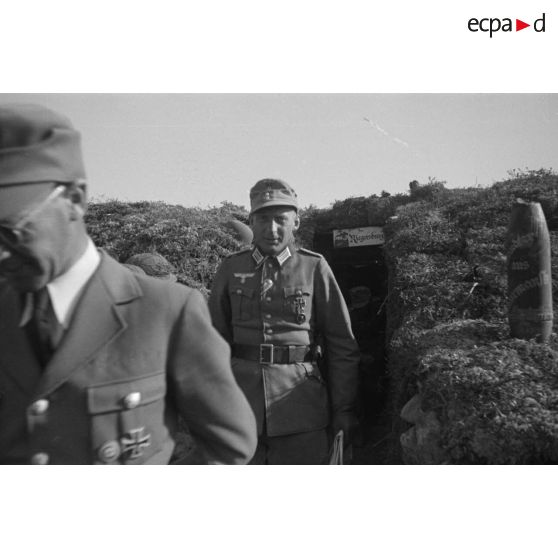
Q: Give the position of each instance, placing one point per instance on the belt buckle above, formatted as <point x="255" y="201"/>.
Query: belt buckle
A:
<point x="263" y="348"/>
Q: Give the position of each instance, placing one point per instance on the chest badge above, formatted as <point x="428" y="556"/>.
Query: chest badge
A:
<point x="266" y="285"/>
<point x="299" y="309"/>
<point x="243" y="276"/>
<point x="134" y="441"/>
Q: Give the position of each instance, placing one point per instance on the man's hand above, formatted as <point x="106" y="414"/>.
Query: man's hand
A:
<point x="346" y="421"/>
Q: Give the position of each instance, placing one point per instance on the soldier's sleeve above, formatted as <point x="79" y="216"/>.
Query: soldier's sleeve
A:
<point x="341" y="349"/>
<point x="205" y="391"/>
<point x="220" y="304"/>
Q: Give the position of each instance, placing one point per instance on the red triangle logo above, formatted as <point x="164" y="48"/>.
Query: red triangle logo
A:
<point x="519" y="25"/>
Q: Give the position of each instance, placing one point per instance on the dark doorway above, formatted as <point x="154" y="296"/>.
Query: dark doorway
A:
<point x="362" y="276"/>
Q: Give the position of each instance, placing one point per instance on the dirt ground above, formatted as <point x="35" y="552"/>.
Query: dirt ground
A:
<point x="376" y="444"/>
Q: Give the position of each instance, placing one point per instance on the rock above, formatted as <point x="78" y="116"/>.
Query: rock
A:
<point x="420" y="444"/>
<point x="412" y="410"/>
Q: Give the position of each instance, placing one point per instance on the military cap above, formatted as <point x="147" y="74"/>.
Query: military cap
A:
<point x="153" y="264"/>
<point x="271" y="191"/>
<point x="37" y="146"/>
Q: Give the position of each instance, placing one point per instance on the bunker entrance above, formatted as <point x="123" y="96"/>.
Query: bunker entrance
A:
<point x="362" y="276"/>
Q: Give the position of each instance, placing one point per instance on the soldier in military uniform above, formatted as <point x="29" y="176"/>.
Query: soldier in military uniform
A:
<point x="96" y="362"/>
<point x="278" y="306"/>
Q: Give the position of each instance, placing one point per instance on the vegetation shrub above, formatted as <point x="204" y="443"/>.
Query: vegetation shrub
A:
<point x="512" y="387"/>
<point x="432" y="191"/>
<point x="419" y="227"/>
<point x="496" y="398"/>
<point x="484" y="247"/>
<point x="490" y="207"/>
<point x="411" y="345"/>
<point x="194" y="240"/>
<point x="309" y="217"/>
<point x="350" y="213"/>
<point x="380" y="209"/>
<point x="428" y="289"/>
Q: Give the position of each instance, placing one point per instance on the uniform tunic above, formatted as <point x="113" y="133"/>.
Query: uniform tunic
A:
<point x="289" y="300"/>
<point x="139" y="351"/>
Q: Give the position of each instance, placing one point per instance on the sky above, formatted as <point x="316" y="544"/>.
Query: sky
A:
<point x="202" y="149"/>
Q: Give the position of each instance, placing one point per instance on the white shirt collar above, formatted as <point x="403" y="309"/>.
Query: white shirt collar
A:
<point x="65" y="289"/>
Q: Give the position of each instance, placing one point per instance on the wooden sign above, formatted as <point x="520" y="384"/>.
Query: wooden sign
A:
<point x="365" y="236"/>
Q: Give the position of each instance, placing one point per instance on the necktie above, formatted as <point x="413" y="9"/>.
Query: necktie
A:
<point x="47" y="331"/>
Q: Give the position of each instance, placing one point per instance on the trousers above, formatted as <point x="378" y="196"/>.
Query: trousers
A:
<point x="306" y="448"/>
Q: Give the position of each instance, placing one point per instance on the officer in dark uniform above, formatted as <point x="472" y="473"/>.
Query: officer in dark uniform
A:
<point x="96" y="362"/>
<point x="279" y="306"/>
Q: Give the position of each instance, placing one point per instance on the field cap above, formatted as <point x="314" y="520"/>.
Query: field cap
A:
<point x="153" y="264"/>
<point x="271" y="191"/>
<point x="37" y="146"/>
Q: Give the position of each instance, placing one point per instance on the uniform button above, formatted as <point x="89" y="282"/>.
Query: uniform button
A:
<point x="40" y="458"/>
<point x="39" y="407"/>
<point x="268" y="299"/>
<point x="109" y="451"/>
<point x="268" y="316"/>
<point x="269" y="330"/>
<point x="132" y="400"/>
<point x="298" y="292"/>
<point x="238" y="291"/>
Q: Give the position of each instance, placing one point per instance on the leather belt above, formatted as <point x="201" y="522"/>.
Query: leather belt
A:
<point x="266" y="353"/>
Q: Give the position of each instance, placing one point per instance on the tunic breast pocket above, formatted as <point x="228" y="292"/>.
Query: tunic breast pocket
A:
<point x="242" y="302"/>
<point x="127" y="419"/>
<point x="298" y="303"/>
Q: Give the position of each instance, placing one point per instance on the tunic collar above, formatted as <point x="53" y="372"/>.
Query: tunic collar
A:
<point x="281" y="258"/>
